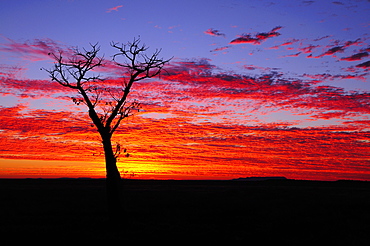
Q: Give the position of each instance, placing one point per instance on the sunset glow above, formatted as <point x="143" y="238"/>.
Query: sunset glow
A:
<point x="255" y="88"/>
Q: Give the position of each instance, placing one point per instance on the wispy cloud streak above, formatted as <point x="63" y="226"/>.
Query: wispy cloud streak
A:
<point x="35" y="50"/>
<point x="257" y="38"/>
<point x="114" y="8"/>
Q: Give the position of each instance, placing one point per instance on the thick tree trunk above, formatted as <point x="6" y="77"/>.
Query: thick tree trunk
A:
<point x="113" y="183"/>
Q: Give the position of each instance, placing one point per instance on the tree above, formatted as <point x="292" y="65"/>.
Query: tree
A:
<point x="107" y="105"/>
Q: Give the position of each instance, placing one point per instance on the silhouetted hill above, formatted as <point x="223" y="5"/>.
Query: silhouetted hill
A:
<point x="260" y="178"/>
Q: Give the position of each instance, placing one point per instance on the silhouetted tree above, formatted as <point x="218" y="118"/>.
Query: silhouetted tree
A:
<point x="107" y="105"/>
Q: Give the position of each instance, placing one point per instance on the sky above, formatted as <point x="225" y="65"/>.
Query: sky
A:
<point x="254" y="88"/>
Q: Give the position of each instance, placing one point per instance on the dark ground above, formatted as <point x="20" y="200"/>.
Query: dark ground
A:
<point x="182" y="212"/>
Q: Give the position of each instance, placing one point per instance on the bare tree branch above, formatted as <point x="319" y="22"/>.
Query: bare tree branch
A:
<point x="139" y="65"/>
<point x="76" y="72"/>
<point x="107" y="107"/>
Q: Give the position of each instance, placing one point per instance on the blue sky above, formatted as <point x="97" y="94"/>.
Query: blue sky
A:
<point x="178" y="27"/>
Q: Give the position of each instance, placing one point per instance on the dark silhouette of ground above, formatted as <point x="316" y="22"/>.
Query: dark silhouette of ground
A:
<point x="271" y="211"/>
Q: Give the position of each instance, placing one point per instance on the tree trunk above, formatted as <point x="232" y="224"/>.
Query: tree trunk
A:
<point x="113" y="183"/>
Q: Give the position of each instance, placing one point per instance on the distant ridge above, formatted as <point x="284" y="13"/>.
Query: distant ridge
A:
<point x="260" y="178"/>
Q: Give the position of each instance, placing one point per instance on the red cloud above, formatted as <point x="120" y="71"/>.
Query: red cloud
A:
<point x="318" y="78"/>
<point x="290" y="42"/>
<point x="220" y="150"/>
<point x="36" y="134"/>
<point x="201" y="82"/>
<point x="364" y="65"/>
<point x="308" y="49"/>
<point x="271" y="90"/>
<point x="212" y="117"/>
<point x="214" y="32"/>
<point x="31" y="88"/>
<point x="356" y="57"/>
<point x="258" y="38"/>
<point x="332" y="51"/>
<point x="339" y="48"/>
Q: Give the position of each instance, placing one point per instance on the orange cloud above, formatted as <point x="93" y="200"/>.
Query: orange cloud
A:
<point x="173" y="146"/>
<point x="199" y="122"/>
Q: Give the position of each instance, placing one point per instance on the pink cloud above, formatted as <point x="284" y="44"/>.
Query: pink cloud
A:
<point x="10" y="71"/>
<point x="114" y="8"/>
<point x="35" y="50"/>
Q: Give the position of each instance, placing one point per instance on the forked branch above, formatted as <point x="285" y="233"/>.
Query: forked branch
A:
<point x="139" y="64"/>
<point x="75" y="71"/>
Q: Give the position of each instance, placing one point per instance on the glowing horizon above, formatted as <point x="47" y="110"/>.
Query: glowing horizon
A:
<point x="288" y="95"/>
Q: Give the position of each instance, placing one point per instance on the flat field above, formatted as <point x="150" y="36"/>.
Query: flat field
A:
<point x="186" y="212"/>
